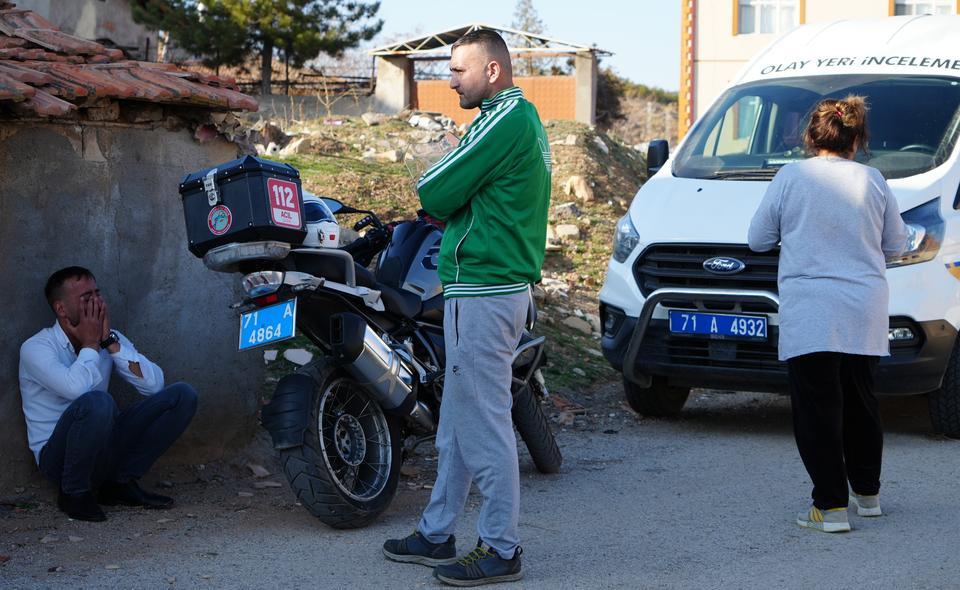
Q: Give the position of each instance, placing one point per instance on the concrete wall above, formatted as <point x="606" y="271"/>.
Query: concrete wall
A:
<point x="97" y="19"/>
<point x="306" y="107"/>
<point x="106" y="198"/>
<point x="394" y="91"/>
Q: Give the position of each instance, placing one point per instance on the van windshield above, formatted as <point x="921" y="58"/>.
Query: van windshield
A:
<point x="756" y="128"/>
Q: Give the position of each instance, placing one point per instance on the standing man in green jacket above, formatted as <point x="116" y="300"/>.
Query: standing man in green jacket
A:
<point x="493" y="192"/>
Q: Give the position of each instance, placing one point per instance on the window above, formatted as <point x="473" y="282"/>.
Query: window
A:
<point x="753" y="130"/>
<point x="923" y="7"/>
<point x="766" y="16"/>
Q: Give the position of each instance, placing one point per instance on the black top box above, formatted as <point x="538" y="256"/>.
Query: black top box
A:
<point x="245" y="200"/>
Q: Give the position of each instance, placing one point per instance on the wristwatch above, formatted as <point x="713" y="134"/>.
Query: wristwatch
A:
<point x="113" y="338"/>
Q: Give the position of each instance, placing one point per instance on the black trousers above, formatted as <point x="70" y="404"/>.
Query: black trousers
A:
<point x="836" y="422"/>
<point x="94" y="442"/>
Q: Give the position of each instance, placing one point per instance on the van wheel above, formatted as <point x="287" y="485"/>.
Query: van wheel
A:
<point x="944" y="403"/>
<point x="659" y="400"/>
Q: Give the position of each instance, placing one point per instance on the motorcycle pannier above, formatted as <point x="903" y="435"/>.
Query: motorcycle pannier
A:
<point x="245" y="200"/>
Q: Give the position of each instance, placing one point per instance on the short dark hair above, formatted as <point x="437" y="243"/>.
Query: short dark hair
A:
<point x="53" y="290"/>
<point x="490" y="40"/>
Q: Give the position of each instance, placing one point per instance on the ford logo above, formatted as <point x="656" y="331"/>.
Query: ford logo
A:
<point x="724" y="266"/>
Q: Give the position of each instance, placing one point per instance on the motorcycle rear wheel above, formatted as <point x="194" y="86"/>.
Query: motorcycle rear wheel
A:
<point x="347" y="470"/>
<point x="534" y="429"/>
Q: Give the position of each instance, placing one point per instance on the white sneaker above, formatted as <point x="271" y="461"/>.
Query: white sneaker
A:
<point x="826" y="521"/>
<point x="866" y="505"/>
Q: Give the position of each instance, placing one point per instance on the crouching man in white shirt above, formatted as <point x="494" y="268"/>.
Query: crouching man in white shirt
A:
<point x="80" y="439"/>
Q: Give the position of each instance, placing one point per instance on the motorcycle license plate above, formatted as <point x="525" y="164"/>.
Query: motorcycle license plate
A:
<point x="719" y="326"/>
<point x="268" y="324"/>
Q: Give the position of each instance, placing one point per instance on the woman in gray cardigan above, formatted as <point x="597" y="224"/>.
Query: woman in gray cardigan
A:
<point x="836" y="221"/>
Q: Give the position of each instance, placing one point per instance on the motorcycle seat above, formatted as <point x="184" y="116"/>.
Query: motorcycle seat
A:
<point x="396" y="301"/>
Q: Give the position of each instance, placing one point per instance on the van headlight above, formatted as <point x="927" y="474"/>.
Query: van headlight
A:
<point x="925" y="229"/>
<point x="625" y="239"/>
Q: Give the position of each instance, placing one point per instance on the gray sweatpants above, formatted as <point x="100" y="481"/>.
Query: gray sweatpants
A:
<point x="475" y="438"/>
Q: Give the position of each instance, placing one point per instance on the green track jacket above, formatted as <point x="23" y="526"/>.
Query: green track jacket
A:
<point x="493" y="192"/>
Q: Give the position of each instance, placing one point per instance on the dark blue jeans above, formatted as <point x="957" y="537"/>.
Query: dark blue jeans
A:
<point x="94" y="442"/>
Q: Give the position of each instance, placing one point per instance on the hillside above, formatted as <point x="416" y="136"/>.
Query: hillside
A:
<point x="594" y="178"/>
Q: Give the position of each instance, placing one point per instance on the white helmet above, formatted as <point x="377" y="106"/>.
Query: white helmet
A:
<point x="323" y="231"/>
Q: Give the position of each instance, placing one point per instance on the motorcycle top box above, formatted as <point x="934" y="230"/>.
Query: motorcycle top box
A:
<point x="242" y="200"/>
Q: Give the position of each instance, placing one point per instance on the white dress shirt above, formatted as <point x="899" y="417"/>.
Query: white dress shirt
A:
<point x="53" y="375"/>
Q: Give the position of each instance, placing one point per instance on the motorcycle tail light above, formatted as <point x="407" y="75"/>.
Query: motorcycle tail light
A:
<point x="264" y="282"/>
<point x="266" y="300"/>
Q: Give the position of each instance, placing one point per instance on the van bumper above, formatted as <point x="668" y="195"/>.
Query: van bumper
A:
<point x="914" y="366"/>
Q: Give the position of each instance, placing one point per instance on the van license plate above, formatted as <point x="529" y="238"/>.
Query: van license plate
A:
<point x="268" y="324"/>
<point x="718" y="326"/>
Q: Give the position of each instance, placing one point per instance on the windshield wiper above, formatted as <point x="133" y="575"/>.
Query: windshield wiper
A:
<point x="745" y="174"/>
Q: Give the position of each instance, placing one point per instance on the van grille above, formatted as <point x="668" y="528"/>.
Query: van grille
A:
<point x="660" y="348"/>
<point x="681" y="266"/>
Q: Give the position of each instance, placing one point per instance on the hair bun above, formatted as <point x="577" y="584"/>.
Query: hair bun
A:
<point x="852" y="111"/>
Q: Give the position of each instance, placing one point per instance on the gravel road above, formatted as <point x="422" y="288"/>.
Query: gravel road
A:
<point x="704" y="501"/>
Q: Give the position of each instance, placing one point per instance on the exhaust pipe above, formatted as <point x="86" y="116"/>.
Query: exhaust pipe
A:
<point x="372" y="363"/>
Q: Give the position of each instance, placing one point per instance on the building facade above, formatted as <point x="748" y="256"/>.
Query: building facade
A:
<point x="718" y="37"/>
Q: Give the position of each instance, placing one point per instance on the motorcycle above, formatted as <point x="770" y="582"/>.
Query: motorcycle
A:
<point x="344" y="423"/>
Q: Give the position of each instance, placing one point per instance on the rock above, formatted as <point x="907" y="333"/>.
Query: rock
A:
<point x="260" y="485"/>
<point x="594" y="320"/>
<point x="164" y="520"/>
<point x="272" y="149"/>
<point x="167" y="484"/>
<point x="539" y="295"/>
<point x="261" y="149"/>
<point x="348" y="235"/>
<point x="258" y="470"/>
<point x="74" y="539"/>
<point x="296" y="146"/>
<point x="566" y="210"/>
<point x="372" y="119"/>
<point x="49" y="539"/>
<point x="245" y="494"/>
<point x="409" y="471"/>
<point x="578" y="186"/>
<point x="595" y="352"/>
<point x="298" y="356"/>
<point x="389" y="156"/>
<point x="567" y="231"/>
<point x="578" y="324"/>
<point x="272" y="133"/>
<point x="429" y="124"/>
<point x="578" y="371"/>
<point x="570" y="140"/>
<point x="555" y="289"/>
<point x="599" y="143"/>
<point x="414" y="120"/>
<point x="269" y="356"/>
<point x="112" y="566"/>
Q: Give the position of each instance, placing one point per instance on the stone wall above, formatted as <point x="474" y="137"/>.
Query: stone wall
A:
<point x="105" y="197"/>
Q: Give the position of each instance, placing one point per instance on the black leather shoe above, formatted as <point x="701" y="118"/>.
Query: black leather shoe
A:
<point x="131" y="494"/>
<point x="81" y="506"/>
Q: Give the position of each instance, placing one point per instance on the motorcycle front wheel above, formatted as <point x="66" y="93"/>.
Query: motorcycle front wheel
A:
<point x="347" y="470"/>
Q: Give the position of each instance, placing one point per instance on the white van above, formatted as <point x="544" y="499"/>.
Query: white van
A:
<point x="686" y="303"/>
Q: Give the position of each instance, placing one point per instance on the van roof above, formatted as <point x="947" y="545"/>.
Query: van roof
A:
<point x="909" y="45"/>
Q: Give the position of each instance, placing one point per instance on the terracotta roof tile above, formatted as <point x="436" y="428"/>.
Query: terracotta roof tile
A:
<point x="12" y="89"/>
<point x="46" y="72"/>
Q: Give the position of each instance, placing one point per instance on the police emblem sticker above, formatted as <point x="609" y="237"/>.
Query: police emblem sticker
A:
<point x="219" y="220"/>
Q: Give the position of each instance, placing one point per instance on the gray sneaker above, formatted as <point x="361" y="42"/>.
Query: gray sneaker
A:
<point x="826" y="521"/>
<point x="866" y="505"/>
<point x="416" y="549"/>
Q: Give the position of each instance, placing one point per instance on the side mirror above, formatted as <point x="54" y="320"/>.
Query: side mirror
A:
<point x="657" y="154"/>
